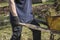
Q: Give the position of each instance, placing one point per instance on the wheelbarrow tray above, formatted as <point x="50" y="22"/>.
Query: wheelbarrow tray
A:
<point x="54" y="23"/>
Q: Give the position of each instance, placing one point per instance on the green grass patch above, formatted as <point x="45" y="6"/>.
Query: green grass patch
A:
<point x="42" y="3"/>
<point x="6" y="4"/>
<point x="48" y="2"/>
<point x="3" y="4"/>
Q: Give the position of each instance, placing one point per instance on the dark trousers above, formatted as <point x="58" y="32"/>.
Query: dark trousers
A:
<point x="17" y="32"/>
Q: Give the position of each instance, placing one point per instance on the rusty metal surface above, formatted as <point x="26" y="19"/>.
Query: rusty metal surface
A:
<point x="54" y="23"/>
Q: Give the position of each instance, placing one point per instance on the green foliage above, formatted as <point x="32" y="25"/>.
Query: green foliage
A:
<point x="51" y="1"/>
<point x="3" y="4"/>
<point x="4" y="20"/>
<point x="2" y="17"/>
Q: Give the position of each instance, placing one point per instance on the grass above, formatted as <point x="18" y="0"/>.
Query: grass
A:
<point x="42" y="3"/>
<point x="3" y="4"/>
<point x="6" y="31"/>
<point x="5" y="34"/>
<point x="6" y="4"/>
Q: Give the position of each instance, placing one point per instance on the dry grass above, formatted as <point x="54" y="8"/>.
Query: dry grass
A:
<point x="5" y="34"/>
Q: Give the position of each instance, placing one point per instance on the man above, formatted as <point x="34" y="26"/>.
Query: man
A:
<point x="21" y="11"/>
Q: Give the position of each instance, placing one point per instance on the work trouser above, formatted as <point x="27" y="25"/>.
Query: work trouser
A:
<point x="18" y="29"/>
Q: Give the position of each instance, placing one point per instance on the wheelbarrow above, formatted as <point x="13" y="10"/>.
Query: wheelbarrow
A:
<point x="53" y="23"/>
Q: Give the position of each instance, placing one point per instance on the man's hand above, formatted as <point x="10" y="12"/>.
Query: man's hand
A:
<point x="13" y="11"/>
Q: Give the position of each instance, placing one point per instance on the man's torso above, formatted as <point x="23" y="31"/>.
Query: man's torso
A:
<point x="24" y="10"/>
